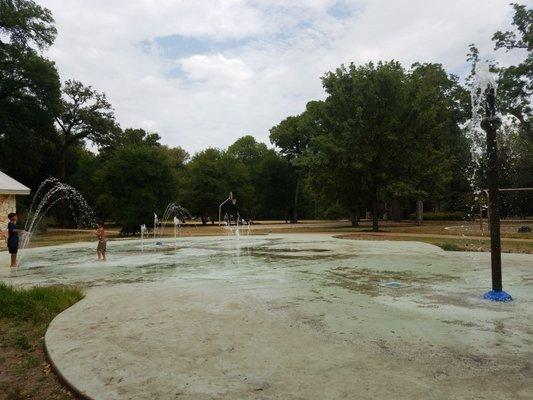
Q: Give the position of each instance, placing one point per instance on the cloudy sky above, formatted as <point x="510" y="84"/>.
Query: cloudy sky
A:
<point x="205" y="72"/>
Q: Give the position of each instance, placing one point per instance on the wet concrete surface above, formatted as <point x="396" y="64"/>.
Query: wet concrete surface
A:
<point x="288" y="317"/>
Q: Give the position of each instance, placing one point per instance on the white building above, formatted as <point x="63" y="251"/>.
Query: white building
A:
<point x="9" y="189"/>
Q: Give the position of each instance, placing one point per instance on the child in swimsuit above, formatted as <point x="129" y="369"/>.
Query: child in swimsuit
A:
<point x="102" y="242"/>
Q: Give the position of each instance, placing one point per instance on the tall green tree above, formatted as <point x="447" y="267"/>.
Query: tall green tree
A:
<point x="136" y="182"/>
<point x="268" y="172"/>
<point x="85" y="114"/>
<point x="364" y="108"/>
<point x="333" y="171"/>
<point x="29" y="91"/>
<point x="25" y="23"/>
<point x="384" y="134"/>
<point x="292" y="137"/>
<point x="211" y="175"/>
<point x="515" y="82"/>
<point x="435" y="143"/>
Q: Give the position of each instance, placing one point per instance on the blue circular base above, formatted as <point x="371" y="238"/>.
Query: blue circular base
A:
<point x="494" y="295"/>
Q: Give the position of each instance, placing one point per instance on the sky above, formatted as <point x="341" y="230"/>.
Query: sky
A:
<point x="203" y="73"/>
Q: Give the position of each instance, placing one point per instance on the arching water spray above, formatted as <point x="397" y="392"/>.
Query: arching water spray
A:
<point x="50" y="192"/>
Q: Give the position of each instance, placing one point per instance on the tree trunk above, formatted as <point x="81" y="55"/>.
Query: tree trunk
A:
<point x="396" y="212"/>
<point x="419" y="212"/>
<point x="354" y="216"/>
<point x="294" y="219"/>
<point x="375" y="217"/>
<point x="63" y="173"/>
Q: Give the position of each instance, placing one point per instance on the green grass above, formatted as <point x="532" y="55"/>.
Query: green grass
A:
<point x="451" y="247"/>
<point x="37" y="305"/>
<point x="24" y="317"/>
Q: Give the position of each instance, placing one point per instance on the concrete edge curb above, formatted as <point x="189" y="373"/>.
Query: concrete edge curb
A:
<point x="78" y="394"/>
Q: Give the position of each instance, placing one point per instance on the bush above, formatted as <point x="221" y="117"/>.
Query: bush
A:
<point x="441" y="216"/>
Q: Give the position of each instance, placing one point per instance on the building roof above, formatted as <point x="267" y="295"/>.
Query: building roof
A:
<point x="10" y="186"/>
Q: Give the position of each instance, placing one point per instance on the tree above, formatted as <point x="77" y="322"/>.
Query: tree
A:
<point x="267" y="171"/>
<point x="136" y="182"/>
<point x="515" y="82"/>
<point x="24" y="23"/>
<point x="333" y="171"/>
<point x="383" y="134"/>
<point x="29" y="92"/>
<point x="363" y="110"/>
<point x="515" y="88"/>
<point x="85" y="114"/>
<point x="211" y="175"/>
<point x="437" y="106"/>
<point x="291" y="136"/>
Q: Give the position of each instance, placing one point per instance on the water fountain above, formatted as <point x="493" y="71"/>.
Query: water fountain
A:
<point x="484" y="115"/>
<point x="174" y="212"/>
<point x="231" y="228"/>
<point x="144" y="231"/>
<point x="177" y="224"/>
<point x="156" y="223"/>
<point x="50" y="192"/>
<point x="228" y="217"/>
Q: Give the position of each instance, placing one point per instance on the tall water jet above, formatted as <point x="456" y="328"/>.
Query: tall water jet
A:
<point x="156" y="222"/>
<point x="484" y="115"/>
<point x="177" y="224"/>
<point x="144" y="231"/>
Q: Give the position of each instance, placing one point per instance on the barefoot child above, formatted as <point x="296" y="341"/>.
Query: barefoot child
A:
<point x="13" y="233"/>
<point x="102" y="245"/>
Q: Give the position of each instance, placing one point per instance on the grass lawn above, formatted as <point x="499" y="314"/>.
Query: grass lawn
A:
<point x="452" y="244"/>
<point x="24" y="317"/>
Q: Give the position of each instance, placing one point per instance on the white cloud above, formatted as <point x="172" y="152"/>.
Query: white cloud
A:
<point x="271" y="67"/>
<point x="216" y="69"/>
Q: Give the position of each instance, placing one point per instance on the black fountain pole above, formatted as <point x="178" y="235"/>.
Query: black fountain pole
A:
<point x="490" y="124"/>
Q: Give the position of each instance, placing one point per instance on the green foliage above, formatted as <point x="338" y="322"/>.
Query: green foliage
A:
<point x="38" y="304"/>
<point x="384" y="133"/>
<point x="522" y="37"/>
<point x="292" y="137"/>
<point x="29" y="91"/>
<point x="211" y="175"/>
<point x="84" y="114"/>
<point x="267" y="170"/>
<point x="25" y="23"/>
<point x="136" y="182"/>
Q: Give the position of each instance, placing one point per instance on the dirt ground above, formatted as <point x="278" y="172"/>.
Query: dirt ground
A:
<point x="24" y="370"/>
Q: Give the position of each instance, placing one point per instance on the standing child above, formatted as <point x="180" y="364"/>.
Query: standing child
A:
<point x="13" y="237"/>
<point x="102" y="245"/>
